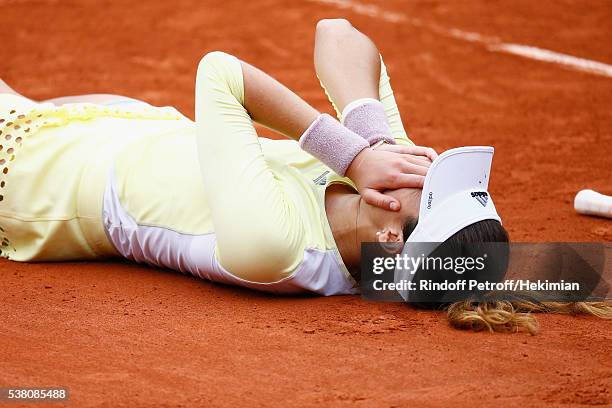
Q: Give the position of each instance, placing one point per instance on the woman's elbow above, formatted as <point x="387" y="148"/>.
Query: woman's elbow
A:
<point x="265" y="259"/>
<point x="332" y="31"/>
<point x="214" y="61"/>
<point x="330" y="26"/>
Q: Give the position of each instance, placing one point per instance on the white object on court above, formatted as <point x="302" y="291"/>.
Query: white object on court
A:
<point x="591" y="202"/>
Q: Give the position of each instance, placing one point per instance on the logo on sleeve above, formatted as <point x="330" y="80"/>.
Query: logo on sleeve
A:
<point x="322" y="179"/>
<point x="481" y="196"/>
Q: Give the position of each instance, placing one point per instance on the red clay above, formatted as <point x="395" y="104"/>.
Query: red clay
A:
<point x="126" y="335"/>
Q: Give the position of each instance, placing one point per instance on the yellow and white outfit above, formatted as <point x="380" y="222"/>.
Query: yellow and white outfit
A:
<point x="84" y="181"/>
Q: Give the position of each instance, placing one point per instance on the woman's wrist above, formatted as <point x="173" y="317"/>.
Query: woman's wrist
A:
<point x="333" y="144"/>
<point x="367" y="118"/>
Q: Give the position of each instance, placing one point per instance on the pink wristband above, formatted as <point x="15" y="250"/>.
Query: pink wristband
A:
<point x="333" y="144"/>
<point x="368" y="119"/>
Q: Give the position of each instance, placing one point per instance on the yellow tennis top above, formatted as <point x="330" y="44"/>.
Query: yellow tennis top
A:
<point x="262" y="199"/>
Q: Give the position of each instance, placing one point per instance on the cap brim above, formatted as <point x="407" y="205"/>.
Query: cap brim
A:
<point x="454" y="196"/>
<point x="455" y="170"/>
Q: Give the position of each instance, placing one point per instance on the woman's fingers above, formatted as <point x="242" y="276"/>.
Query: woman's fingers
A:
<point x="378" y="199"/>
<point x="418" y="160"/>
<point x="412" y="168"/>
<point x="431" y="153"/>
<point x="376" y="170"/>
<point x="402" y="180"/>
<point x="413" y="150"/>
<point x="424" y="151"/>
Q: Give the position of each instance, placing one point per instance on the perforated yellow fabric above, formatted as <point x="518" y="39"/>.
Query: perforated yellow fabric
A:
<point x="51" y="162"/>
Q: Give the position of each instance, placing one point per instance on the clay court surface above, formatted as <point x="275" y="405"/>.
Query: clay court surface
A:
<point x="119" y="334"/>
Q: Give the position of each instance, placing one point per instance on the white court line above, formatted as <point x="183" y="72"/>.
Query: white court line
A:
<point x="492" y="44"/>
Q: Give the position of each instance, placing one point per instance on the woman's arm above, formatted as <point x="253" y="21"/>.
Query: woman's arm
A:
<point x="346" y="61"/>
<point x="350" y="68"/>
<point x="259" y="236"/>
<point x="259" y="233"/>
<point x="273" y="105"/>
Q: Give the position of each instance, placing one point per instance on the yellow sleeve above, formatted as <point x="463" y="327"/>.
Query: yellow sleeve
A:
<point x="388" y="100"/>
<point x="260" y="236"/>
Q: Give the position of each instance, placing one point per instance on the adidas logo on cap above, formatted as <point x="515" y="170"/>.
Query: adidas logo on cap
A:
<point x="481" y="196"/>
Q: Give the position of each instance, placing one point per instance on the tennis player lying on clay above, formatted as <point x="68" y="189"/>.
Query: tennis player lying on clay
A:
<point x="97" y="176"/>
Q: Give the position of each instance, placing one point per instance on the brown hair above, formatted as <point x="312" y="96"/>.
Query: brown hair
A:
<point x="516" y="315"/>
<point x="497" y="313"/>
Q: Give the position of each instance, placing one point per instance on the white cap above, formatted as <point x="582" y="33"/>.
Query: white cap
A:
<point x="454" y="196"/>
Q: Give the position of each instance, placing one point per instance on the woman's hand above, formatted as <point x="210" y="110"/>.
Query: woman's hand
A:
<point x="389" y="167"/>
